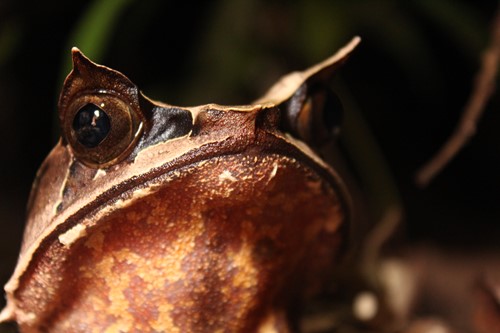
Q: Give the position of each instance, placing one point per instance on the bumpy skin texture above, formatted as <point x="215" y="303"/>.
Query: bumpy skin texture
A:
<point x="212" y="225"/>
<point x="215" y="249"/>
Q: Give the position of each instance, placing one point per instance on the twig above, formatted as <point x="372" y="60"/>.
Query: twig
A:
<point x="483" y="89"/>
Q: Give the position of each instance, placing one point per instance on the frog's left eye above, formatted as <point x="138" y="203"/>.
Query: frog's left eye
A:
<point x="101" y="129"/>
<point x="313" y="114"/>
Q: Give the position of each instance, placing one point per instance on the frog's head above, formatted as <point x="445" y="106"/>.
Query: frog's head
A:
<point x="164" y="218"/>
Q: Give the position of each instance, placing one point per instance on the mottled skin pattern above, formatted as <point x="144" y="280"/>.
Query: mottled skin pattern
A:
<point x="203" y="254"/>
<point x="202" y="219"/>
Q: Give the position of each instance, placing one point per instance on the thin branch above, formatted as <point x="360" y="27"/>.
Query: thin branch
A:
<point x="483" y="89"/>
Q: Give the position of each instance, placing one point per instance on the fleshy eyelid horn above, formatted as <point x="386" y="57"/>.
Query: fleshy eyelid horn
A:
<point x="88" y="77"/>
<point x="309" y="109"/>
<point x="112" y="94"/>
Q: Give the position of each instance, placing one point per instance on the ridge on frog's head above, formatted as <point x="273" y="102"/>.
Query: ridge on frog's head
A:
<point x="103" y="114"/>
<point x="156" y="217"/>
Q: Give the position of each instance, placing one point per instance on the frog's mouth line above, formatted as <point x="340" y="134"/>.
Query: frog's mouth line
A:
<point x="266" y="144"/>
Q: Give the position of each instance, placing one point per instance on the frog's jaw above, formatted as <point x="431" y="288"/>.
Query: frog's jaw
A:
<point x="199" y="250"/>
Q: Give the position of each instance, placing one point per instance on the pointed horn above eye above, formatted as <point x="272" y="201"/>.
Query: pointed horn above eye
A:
<point x="76" y="54"/>
<point x="80" y="61"/>
<point x="88" y="78"/>
<point x="288" y="84"/>
<point x="87" y="73"/>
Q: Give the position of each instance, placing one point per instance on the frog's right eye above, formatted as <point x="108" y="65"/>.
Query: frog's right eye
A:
<point x="101" y="128"/>
<point x="91" y="125"/>
<point x="102" y="113"/>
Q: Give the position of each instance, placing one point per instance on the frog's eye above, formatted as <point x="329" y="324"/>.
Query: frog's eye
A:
<point x="101" y="129"/>
<point x="313" y="114"/>
<point x="91" y="125"/>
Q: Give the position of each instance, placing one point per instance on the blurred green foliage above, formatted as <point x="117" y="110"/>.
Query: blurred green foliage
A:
<point x="94" y="29"/>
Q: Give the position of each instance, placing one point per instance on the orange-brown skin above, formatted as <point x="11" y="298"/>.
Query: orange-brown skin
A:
<point x="203" y="254"/>
<point x="213" y="230"/>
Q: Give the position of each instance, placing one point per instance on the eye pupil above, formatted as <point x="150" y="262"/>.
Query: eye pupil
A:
<point x="91" y="125"/>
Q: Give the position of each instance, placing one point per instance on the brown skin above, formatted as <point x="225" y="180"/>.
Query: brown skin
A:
<point x="202" y="219"/>
<point x="199" y="255"/>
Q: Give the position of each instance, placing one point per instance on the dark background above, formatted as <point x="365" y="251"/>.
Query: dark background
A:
<point x="409" y="80"/>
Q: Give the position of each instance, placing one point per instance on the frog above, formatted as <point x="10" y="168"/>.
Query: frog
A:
<point x="151" y="217"/>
